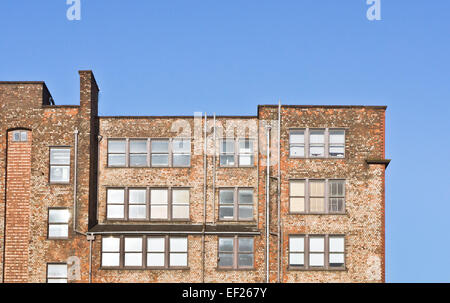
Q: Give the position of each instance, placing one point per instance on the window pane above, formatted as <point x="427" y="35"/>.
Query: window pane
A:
<point x="56" y="280"/>
<point x="245" y="245"/>
<point x="111" y="244"/>
<point x="337" y="188"/>
<point x="245" y="196"/>
<point x="317" y="151"/>
<point x="110" y="259"/>
<point x="296" y="259"/>
<point x="246" y="160"/>
<point x="297" y="205"/>
<point x="133" y="259"/>
<point x="181" y="145"/>
<point x="226" y="160"/>
<point x="116" y="160"/>
<point x="160" y="160"/>
<point x="225" y="260"/>
<point x="180" y="196"/>
<point x="245" y="260"/>
<point x="137" y="196"/>
<point x="297" y="137"/>
<point x="58" y="231"/>
<point x="317" y="188"/>
<point x="336" y="244"/>
<point x="297" y="188"/>
<point x="181" y="160"/>
<point x="138" y="146"/>
<point x="180" y="212"/>
<point x="133" y="244"/>
<point x="245" y="212"/>
<point x="226" y="212"/>
<point x="226" y="196"/>
<point x="245" y="146"/>
<point x="57" y="271"/>
<point x="316" y="244"/>
<point x="336" y="260"/>
<point x="155" y="244"/>
<point x="59" y="173"/>
<point x="155" y="259"/>
<point x="227" y="146"/>
<point x="178" y="259"/>
<point x="16" y="136"/>
<point x="316" y="259"/>
<point x="158" y="212"/>
<point x="178" y="244"/>
<point x="116" y="146"/>
<point x="337" y="137"/>
<point x="138" y="160"/>
<point x="116" y="196"/>
<point x="226" y="244"/>
<point x="58" y="216"/>
<point x="317" y="137"/>
<point x="297" y="244"/>
<point x="159" y="196"/>
<point x="137" y="211"/>
<point x="316" y="205"/>
<point x="60" y="156"/>
<point x="297" y="151"/>
<point x="115" y="211"/>
<point x="337" y="151"/>
<point x="160" y="146"/>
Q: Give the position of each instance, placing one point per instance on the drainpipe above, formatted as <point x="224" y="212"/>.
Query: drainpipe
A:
<point x="75" y="176"/>
<point x="268" y="128"/>
<point x="205" y="167"/>
<point x="279" y="192"/>
<point x="214" y="170"/>
<point x="90" y="238"/>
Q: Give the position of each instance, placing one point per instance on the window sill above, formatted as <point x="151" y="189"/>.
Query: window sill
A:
<point x="252" y="166"/>
<point x="145" y="268"/>
<point x="185" y="221"/>
<point x="320" y="214"/>
<point x="291" y="268"/>
<point x="59" y="183"/>
<point x="58" y="239"/>
<point x="148" y="167"/>
<point x="235" y="269"/>
<point x="317" y="158"/>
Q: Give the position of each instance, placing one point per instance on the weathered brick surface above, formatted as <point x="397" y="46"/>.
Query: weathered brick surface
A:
<point x="28" y="192"/>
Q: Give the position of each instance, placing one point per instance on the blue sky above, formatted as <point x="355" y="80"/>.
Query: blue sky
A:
<point x="176" y="57"/>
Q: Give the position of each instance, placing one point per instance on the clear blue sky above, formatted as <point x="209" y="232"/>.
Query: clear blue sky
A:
<point x="177" y="57"/>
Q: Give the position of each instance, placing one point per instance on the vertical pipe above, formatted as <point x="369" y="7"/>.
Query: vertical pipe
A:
<point x="268" y="205"/>
<point x="75" y="161"/>
<point x="279" y="193"/>
<point x="214" y="171"/>
<point x="205" y="167"/>
<point x="90" y="260"/>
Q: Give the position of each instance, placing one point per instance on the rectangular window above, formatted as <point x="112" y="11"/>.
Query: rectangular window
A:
<point x="137" y="203"/>
<point x="337" y="196"/>
<point x="232" y="209"/>
<point x="117" y="152"/>
<point x="160" y="152"/>
<point x="180" y="204"/>
<point x="58" y="223"/>
<point x="297" y="143"/>
<point x="156" y="247"/>
<point x="159" y="204"/>
<point x="245" y="204"/>
<point x="317" y="143"/>
<point x="227" y="153"/>
<point x="178" y="252"/>
<point x="56" y="273"/>
<point x="226" y="204"/>
<point x="181" y="152"/>
<point x="337" y="143"/>
<point x="316" y="251"/>
<point x="337" y="251"/>
<point x="236" y="252"/>
<point x="133" y="252"/>
<point x="59" y="165"/>
<point x="115" y="203"/>
<point x="138" y="153"/>
<point x="110" y="252"/>
<point x="297" y="251"/>
<point x="246" y="152"/>
<point x="317" y="196"/>
<point x="20" y="136"/>
<point x="297" y="196"/>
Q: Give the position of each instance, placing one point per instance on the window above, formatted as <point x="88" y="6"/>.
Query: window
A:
<point x="117" y="152"/>
<point x="180" y="204"/>
<point x="337" y="196"/>
<point x="297" y="143"/>
<point x="297" y="196"/>
<point x="59" y="165"/>
<point x="56" y="273"/>
<point x="138" y="153"/>
<point x="137" y="203"/>
<point x="110" y="251"/>
<point x="161" y="252"/>
<point x="337" y="143"/>
<point x="316" y="251"/>
<point x="297" y="251"/>
<point x="181" y="152"/>
<point x="133" y="252"/>
<point x="227" y="153"/>
<point x="246" y="152"/>
<point x="316" y="143"/>
<point x="20" y="136"/>
<point x="317" y="196"/>
<point x="115" y="203"/>
<point x="160" y="152"/>
<point x="230" y="209"/>
<point x="159" y="204"/>
<point x="236" y="252"/>
<point x="58" y="223"/>
<point x="178" y="252"/>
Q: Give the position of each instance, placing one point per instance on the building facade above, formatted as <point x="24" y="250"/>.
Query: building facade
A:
<point x="293" y="194"/>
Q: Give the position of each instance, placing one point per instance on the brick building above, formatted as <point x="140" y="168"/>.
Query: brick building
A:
<point x="85" y="198"/>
